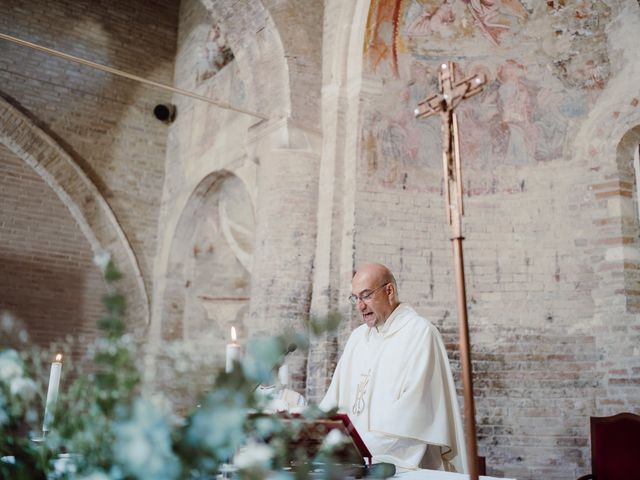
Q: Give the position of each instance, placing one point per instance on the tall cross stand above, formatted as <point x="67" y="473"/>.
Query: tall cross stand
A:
<point x="444" y="103"/>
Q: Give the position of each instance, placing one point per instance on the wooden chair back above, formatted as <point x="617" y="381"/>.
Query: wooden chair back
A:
<point x="615" y="447"/>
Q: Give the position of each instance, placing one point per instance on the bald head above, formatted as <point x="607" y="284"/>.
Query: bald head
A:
<point x="375" y="285"/>
<point x="376" y="273"/>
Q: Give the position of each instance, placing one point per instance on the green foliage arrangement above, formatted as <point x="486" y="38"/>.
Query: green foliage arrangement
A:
<point x="105" y="428"/>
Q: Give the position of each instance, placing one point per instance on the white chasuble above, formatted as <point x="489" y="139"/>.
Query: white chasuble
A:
<point x="395" y="384"/>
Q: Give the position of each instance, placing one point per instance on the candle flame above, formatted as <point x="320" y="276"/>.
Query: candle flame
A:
<point x="59" y="357"/>
<point x="233" y="334"/>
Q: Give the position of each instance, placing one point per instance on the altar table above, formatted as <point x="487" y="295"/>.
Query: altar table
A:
<point x="436" y="475"/>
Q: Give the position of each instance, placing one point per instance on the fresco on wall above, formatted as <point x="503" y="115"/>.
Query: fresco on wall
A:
<point x="220" y="261"/>
<point x="214" y="54"/>
<point x="542" y="80"/>
<point x="398" y="27"/>
<point x="208" y="119"/>
<point x="208" y="278"/>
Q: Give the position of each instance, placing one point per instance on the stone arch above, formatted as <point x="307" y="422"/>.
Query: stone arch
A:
<point x="302" y="49"/>
<point x="603" y="142"/>
<point x="626" y="151"/>
<point x="260" y="36"/>
<point x="257" y="48"/>
<point x="86" y="204"/>
<point x="208" y="277"/>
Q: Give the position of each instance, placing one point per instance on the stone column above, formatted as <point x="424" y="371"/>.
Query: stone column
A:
<point x="286" y="209"/>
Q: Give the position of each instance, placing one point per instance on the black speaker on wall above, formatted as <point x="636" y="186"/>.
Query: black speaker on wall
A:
<point x="165" y="112"/>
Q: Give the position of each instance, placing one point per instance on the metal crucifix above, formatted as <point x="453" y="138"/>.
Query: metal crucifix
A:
<point x="452" y="92"/>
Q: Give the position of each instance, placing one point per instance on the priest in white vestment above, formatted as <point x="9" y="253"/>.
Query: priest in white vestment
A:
<point x="395" y="383"/>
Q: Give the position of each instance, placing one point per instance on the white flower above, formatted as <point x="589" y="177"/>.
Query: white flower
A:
<point x="267" y="426"/>
<point x="227" y="434"/>
<point x="31" y="415"/>
<point x="7" y="321"/>
<point x="10" y="325"/>
<point x="95" y="476"/>
<point x="10" y="366"/>
<point x="161" y="402"/>
<point x="102" y="259"/>
<point x="23" y="388"/>
<point x="143" y="444"/>
<point x="64" y="465"/>
<point x="333" y="439"/>
<point x="23" y="336"/>
<point x="165" y="406"/>
<point x="254" y="455"/>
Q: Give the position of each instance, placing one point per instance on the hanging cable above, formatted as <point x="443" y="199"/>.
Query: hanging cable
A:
<point x="120" y="73"/>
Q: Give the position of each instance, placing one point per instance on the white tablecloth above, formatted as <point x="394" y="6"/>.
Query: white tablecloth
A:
<point x="435" y="475"/>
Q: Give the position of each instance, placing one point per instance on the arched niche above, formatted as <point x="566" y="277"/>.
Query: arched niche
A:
<point x="50" y="288"/>
<point x="209" y="274"/>
<point x="255" y="54"/>
<point x="629" y="171"/>
<point x="79" y="194"/>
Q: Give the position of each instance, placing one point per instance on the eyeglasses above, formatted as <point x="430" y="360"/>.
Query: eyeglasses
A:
<point x="353" y="298"/>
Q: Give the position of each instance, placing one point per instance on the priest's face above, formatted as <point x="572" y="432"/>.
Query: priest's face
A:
<point x="375" y="298"/>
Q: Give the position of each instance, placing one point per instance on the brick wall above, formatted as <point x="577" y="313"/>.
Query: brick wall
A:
<point x="104" y="123"/>
<point x="47" y="277"/>
<point x="539" y="330"/>
<point x="551" y="225"/>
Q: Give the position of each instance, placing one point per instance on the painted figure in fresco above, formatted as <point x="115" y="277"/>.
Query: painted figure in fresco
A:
<point x="490" y="16"/>
<point x="517" y="113"/>
<point x="427" y="23"/>
<point x="215" y="55"/>
<point x="393" y="142"/>
<point x="555" y="111"/>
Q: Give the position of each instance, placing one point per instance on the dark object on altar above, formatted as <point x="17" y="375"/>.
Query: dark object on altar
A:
<point x="615" y="447"/>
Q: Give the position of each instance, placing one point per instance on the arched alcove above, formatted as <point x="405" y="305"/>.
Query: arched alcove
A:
<point x="255" y="54"/>
<point x="49" y="286"/>
<point x="81" y="197"/>
<point x="628" y="170"/>
<point x="208" y="279"/>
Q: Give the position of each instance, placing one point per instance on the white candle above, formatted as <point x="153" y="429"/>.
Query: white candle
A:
<point x="52" y="392"/>
<point x="283" y="375"/>
<point x="233" y="351"/>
